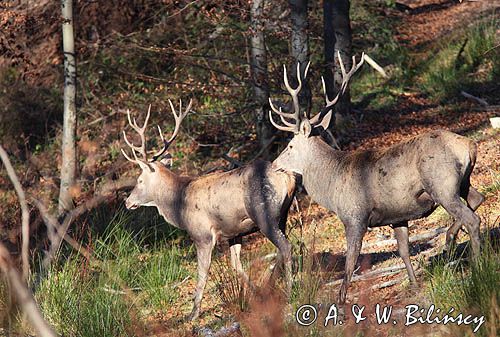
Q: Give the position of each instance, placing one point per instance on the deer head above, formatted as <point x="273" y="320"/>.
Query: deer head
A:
<point x="306" y="129"/>
<point x="143" y="193"/>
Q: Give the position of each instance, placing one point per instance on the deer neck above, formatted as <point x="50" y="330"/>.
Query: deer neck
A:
<point x="321" y="172"/>
<point x="169" y="197"/>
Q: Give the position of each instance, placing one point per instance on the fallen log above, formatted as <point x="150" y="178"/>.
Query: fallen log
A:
<point x="371" y="274"/>
<point x="414" y="238"/>
<point x="480" y="101"/>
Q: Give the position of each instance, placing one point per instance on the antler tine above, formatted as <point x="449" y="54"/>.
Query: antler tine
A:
<point x="346" y="77"/>
<point x="329" y="103"/>
<point x="140" y="130"/>
<point x="341" y="63"/>
<point x="287" y="123"/>
<point x="279" y="112"/>
<point x="159" y="153"/>
<point x="280" y="127"/>
<point x="178" y="120"/>
<point x="128" y="158"/>
<point x="294" y="93"/>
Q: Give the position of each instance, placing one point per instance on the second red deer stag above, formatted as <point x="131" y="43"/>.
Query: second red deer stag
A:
<point x="383" y="186"/>
<point x="217" y="206"/>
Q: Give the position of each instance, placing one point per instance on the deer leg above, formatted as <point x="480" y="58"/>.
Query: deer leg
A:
<point x="463" y="216"/>
<point x="401" y="233"/>
<point x="204" y="255"/>
<point x="354" y="235"/>
<point x="235" y="249"/>
<point x="474" y="200"/>
<point x="277" y="237"/>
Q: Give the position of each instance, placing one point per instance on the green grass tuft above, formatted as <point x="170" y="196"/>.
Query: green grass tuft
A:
<point x="80" y="300"/>
<point x="470" y="288"/>
<point x="457" y="65"/>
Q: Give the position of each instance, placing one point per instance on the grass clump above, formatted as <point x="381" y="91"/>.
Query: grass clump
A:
<point x="468" y="60"/>
<point x="77" y="303"/>
<point x="85" y="299"/>
<point x="472" y="288"/>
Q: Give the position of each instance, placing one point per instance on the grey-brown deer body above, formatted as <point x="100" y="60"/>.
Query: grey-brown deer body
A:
<point x="217" y="206"/>
<point x="380" y="187"/>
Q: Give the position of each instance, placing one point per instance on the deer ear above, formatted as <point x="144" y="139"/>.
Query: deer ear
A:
<point x="305" y="128"/>
<point x="167" y="161"/>
<point x="325" y="122"/>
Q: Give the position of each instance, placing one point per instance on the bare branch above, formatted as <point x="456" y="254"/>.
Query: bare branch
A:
<point x="24" y="296"/>
<point x="477" y="99"/>
<point x="375" y="65"/>
<point x="55" y="238"/>
<point x="25" y="214"/>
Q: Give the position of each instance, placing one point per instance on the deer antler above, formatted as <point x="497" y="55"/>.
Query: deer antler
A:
<point x="316" y="120"/>
<point x="346" y="77"/>
<point x="140" y="130"/>
<point x="178" y="120"/>
<point x="294" y="127"/>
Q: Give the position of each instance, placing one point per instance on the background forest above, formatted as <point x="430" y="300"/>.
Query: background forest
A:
<point x="128" y="273"/>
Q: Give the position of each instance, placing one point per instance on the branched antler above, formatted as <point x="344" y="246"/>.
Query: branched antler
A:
<point x="346" y="77"/>
<point x="178" y="120"/>
<point x="295" y="99"/>
<point x="141" y="131"/>
<point x="316" y="120"/>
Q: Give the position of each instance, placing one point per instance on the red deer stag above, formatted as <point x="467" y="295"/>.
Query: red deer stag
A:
<point x="380" y="187"/>
<point x="216" y="206"/>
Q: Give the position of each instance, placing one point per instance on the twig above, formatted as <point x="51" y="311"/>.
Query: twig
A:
<point x="24" y="296"/>
<point x="264" y="148"/>
<point x="389" y="283"/>
<point x="25" y="214"/>
<point x="234" y="162"/>
<point x="95" y="121"/>
<point x="90" y="204"/>
<point x="51" y="221"/>
<point x="492" y="48"/>
<point x="459" y="54"/>
<point x="119" y="292"/>
<point x="178" y="284"/>
<point x="375" y="65"/>
<point x="477" y="99"/>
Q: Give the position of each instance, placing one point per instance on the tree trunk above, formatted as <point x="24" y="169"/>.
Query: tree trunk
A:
<point x="300" y="47"/>
<point x="337" y="38"/>
<point x="68" y="166"/>
<point x="258" y="70"/>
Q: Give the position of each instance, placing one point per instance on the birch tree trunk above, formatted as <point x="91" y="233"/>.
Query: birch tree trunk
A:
<point x="337" y="38"/>
<point x="68" y="166"/>
<point x="258" y="70"/>
<point x="300" y="47"/>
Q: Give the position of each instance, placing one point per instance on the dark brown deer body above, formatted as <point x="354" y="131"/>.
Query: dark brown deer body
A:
<point x="217" y="206"/>
<point x="380" y="187"/>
